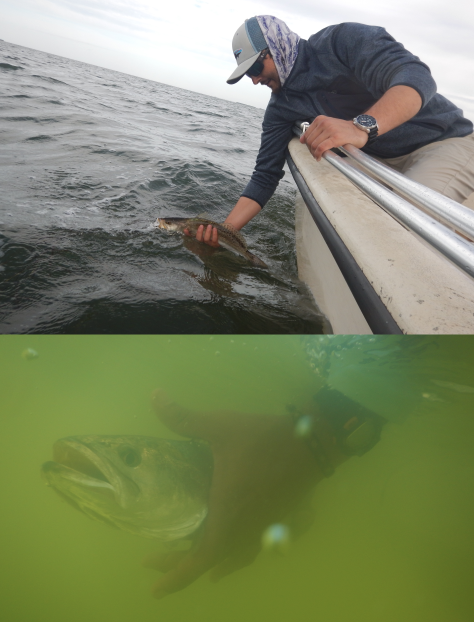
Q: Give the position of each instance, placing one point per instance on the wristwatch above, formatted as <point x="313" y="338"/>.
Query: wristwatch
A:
<point x="368" y="124"/>
<point x="353" y="428"/>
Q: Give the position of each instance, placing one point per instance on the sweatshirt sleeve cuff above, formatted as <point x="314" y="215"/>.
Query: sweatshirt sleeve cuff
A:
<point x="424" y="85"/>
<point x="257" y="193"/>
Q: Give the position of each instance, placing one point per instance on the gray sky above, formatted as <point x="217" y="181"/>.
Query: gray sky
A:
<point x="187" y="43"/>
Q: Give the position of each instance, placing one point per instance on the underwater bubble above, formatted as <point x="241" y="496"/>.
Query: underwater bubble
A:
<point x="432" y="397"/>
<point x="276" y="538"/>
<point x="303" y="426"/>
<point x="29" y="354"/>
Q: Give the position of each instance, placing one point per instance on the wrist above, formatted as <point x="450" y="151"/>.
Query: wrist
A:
<point x="336" y="428"/>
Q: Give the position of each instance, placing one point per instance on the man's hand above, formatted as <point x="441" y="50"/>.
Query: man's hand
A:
<point x="210" y="236"/>
<point x="261" y="472"/>
<point x="325" y="133"/>
<point x="398" y="105"/>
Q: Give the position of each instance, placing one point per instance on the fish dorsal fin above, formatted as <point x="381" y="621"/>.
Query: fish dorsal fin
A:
<point x="235" y="233"/>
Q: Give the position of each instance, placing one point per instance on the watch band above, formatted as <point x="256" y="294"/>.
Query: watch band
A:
<point x="373" y="134"/>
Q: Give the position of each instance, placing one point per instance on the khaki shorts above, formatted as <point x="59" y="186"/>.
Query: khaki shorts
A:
<point x="446" y="166"/>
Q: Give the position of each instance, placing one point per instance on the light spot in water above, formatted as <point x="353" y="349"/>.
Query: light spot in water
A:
<point x="276" y="538"/>
<point x="29" y="354"/>
<point x="217" y="353"/>
<point x="303" y="426"/>
<point x="431" y="397"/>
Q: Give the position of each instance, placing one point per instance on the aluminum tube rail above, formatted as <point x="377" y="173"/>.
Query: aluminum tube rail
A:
<point x="451" y="245"/>
<point x="448" y="211"/>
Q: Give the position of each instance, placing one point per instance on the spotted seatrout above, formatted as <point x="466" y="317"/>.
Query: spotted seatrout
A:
<point x="152" y="487"/>
<point x="229" y="238"/>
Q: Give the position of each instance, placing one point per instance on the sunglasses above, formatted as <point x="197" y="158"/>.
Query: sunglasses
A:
<point x="257" y="68"/>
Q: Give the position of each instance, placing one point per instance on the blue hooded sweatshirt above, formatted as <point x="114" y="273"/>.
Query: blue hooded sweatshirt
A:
<point x="341" y="72"/>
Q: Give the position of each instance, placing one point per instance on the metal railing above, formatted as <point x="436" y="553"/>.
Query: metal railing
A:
<point x="448" y="242"/>
<point x="452" y="213"/>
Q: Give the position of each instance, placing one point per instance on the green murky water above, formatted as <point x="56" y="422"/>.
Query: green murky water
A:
<point x="393" y="535"/>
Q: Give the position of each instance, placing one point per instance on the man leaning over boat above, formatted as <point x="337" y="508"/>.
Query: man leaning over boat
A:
<point x="361" y="87"/>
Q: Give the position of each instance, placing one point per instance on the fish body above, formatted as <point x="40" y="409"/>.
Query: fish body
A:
<point x="229" y="238"/>
<point x="148" y="486"/>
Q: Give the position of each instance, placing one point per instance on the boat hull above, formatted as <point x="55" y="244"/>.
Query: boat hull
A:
<point x="418" y="289"/>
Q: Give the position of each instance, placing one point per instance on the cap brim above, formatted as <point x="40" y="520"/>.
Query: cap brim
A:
<point x="242" y="69"/>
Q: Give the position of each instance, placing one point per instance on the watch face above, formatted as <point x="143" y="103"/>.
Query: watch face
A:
<point x="366" y="120"/>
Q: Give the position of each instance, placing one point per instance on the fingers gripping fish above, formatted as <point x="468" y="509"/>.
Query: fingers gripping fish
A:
<point x="229" y="238"/>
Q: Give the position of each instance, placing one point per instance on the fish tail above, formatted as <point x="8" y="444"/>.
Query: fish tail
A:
<point x="256" y="260"/>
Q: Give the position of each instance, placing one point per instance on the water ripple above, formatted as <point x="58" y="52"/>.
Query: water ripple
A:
<point x="78" y="250"/>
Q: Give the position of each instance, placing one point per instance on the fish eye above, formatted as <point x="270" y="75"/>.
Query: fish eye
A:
<point x="130" y="456"/>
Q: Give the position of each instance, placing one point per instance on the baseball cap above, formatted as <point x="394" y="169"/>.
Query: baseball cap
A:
<point x="247" y="44"/>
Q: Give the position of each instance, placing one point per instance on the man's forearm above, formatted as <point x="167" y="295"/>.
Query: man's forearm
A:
<point x="245" y="209"/>
<point x="397" y="105"/>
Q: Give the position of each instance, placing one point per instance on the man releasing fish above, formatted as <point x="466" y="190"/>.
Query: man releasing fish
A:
<point x="229" y="238"/>
<point x="148" y="486"/>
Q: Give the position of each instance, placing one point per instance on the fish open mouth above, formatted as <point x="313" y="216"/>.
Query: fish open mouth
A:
<point x="72" y="458"/>
<point x="81" y="467"/>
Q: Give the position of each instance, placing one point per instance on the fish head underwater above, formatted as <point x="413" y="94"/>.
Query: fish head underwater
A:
<point x="148" y="486"/>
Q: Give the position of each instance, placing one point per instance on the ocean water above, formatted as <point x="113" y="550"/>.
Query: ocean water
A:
<point x="89" y="158"/>
<point x="392" y="536"/>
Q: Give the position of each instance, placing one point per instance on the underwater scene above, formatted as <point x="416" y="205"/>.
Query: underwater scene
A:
<point x="211" y="478"/>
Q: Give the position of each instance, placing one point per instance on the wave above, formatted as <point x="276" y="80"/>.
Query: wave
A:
<point x="40" y="138"/>
<point x="82" y="255"/>
<point x="8" y="67"/>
